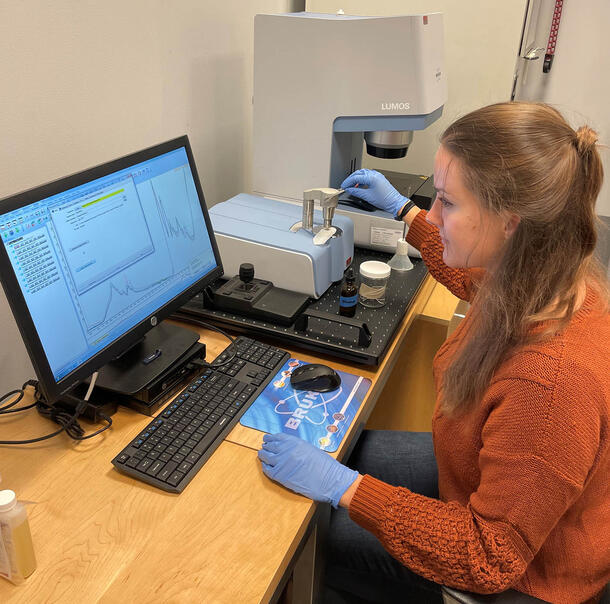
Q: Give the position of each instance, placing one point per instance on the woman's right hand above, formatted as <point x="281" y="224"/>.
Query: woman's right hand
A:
<point x="379" y="191"/>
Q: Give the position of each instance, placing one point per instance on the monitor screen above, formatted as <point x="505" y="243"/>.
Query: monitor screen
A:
<point x="89" y="263"/>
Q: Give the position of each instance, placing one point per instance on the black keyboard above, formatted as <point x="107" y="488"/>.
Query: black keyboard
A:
<point x="174" y="446"/>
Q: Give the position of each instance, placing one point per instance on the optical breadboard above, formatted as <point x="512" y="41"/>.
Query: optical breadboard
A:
<point x="337" y="337"/>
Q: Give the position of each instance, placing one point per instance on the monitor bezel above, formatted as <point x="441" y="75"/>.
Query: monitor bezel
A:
<point x="52" y="389"/>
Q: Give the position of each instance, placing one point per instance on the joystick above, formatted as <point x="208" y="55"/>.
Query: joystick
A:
<point x="258" y="298"/>
<point x="246" y="274"/>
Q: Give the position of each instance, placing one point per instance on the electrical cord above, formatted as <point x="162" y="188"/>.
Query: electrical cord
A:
<point x="8" y="408"/>
<point x="178" y="316"/>
<point x="5" y="410"/>
<point x="67" y="421"/>
<point x="91" y="385"/>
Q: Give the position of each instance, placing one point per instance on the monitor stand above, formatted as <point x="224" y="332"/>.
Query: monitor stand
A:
<point x="143" y="376"/>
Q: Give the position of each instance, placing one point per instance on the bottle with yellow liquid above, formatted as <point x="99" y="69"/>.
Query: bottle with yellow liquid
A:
<point x="17" y="560"/>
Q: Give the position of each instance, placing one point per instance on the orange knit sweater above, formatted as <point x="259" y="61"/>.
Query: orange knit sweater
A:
<point x="524" y="478"/>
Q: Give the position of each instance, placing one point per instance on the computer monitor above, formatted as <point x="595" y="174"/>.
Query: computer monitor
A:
<point x="91" y="262"/>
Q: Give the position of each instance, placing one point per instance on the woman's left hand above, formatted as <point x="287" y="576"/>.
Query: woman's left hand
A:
<point x="305" y="469"/>
<point x="379" y="191"/>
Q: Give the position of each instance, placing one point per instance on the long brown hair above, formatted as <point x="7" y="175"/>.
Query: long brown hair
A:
<point x="525" y="159"/>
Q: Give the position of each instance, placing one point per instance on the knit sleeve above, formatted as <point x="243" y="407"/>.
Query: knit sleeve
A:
<point x="443" y="542"/>
<point x="424" y="236"/>
<point x="540" y="444"/>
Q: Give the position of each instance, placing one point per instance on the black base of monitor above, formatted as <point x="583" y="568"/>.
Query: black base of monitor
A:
<point x="144" y="362"/>
<point x="162" y="388"/>
<point x="143" y="376"/>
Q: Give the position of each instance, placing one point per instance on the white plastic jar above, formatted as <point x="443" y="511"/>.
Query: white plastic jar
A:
<point x="374" y="277"/>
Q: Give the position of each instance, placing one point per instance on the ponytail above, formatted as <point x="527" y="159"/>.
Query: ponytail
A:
<point x="585" y="141"/>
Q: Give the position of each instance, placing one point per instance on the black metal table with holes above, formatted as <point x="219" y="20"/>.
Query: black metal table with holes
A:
<point x="332" y="337"/>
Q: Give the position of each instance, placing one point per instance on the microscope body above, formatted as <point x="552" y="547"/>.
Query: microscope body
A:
<point x="323" y="84"/>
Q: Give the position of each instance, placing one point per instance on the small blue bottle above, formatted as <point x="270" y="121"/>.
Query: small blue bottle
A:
<point x="348" y="299"/>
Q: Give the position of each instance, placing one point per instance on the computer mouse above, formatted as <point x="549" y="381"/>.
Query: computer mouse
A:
<point x="315" y="377"/>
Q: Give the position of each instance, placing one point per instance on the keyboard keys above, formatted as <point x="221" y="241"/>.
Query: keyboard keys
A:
<point x="143" y="465"/>
<point x="173" y="447"/>
<point x="175" y="478"/>
<point x="167" y="471"/>
<point x="155" y="467"/>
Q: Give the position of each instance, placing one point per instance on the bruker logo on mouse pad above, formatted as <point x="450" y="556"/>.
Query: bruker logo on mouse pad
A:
<point x="321" y="418"/>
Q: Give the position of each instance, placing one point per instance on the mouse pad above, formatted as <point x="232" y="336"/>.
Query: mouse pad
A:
<point x="321" y="418"/>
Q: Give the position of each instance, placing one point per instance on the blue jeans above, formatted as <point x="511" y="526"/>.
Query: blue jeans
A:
<point x="358" y="569"/>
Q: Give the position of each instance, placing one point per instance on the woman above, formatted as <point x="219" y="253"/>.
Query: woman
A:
<point x="513" y="488"/>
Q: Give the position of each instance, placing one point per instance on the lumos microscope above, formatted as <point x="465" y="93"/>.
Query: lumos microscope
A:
<point x="323" y="84"/>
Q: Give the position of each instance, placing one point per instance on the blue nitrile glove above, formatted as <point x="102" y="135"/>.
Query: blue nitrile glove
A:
<point x="305" y="469"/>
<point x="380" y="192"/>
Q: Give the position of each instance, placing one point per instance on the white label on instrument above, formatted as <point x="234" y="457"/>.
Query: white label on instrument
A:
<point x="383" y="236"/>
<point x="5" y="563"/>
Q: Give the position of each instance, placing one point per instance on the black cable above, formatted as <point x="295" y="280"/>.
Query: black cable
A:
<point x="5" y="396"/>
<point x="31" y="440"/>
<point x="178" y="316"/>
<point x="67" y="421"/>
<point x="21" y="392"/>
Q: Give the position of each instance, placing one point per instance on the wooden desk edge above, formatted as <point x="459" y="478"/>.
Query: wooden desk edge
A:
<point x="440" y="306"/>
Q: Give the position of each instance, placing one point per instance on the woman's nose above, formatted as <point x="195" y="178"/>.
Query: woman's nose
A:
<point x="434" y="214"/>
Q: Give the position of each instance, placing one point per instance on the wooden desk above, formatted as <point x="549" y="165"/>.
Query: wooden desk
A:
<point x="101" y="536"/>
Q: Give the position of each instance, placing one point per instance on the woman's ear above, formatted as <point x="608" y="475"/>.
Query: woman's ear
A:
<point x="510" y="225"/>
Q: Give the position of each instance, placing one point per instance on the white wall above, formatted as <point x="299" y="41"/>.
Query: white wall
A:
<point x="85" y="81"/>
<point x="481" y="44"/>
<point x="579" y="81"/>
